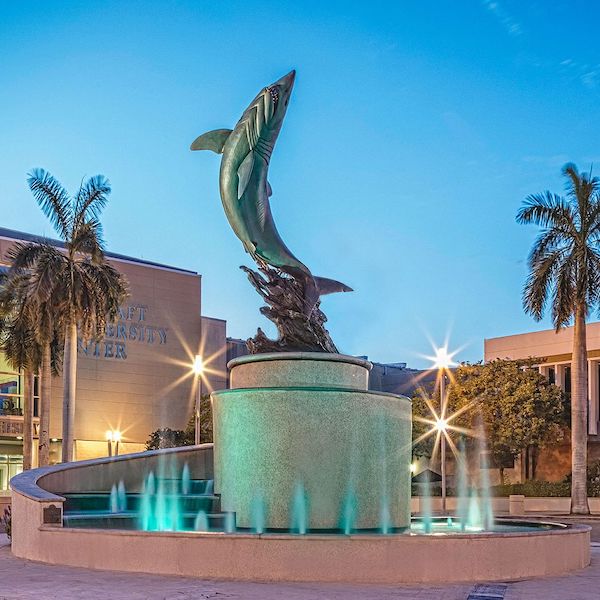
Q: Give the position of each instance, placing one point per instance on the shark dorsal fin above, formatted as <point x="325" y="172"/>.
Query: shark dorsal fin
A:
<point x="269" y="190"/>
<point x="244" y="173"/>
<point x="211" y="140"/>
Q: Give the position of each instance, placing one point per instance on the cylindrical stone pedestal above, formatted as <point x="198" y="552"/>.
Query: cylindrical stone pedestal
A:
<point x="299" y="436"/>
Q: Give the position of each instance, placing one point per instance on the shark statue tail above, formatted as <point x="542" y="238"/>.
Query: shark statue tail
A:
<point x="320" y="286"/>
<point x="315" y="287"/>
<point x="330" y="286"/>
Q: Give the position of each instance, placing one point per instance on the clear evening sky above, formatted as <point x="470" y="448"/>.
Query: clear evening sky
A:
<point x="414" y="132"/>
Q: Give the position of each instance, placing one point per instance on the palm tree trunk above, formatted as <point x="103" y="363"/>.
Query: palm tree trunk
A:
<point x="70" y="384"/>
<point x="28" y="421"/>
<point x="579" y="418"/>
<point x="45" y="397"/>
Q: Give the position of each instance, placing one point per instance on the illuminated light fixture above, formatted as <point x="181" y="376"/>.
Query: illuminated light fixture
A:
<point x="441" y="425"/>
<point x="55" y="439"/>
<point x="19" y="437"/>
<point x="442" y="359"/>
<point x="413" y="468"/>
<point x="113" y="436"/>
<point x="198" y="365"/>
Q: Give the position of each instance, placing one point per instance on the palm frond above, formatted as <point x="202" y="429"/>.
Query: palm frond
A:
<point x="53" y="199"/>
<point x="23" y="255"/>
<point x="539" y="283"/>
<point x="555" y="238"/>
<point x="87" y="239"/>
<point x="91" y="199"/>
<point x="565" y="292"/>
<point x="546" y="210"/>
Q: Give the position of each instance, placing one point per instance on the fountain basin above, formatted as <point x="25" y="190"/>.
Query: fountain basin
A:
<point x="393" y="559"/>
<point x="527" y="550"/>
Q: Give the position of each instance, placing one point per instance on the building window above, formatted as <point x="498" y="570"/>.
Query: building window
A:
<point x="567" y="380"/>
<point x="10" y="465"/>
<point x="11" y="390"/>
<point x="551" y="375"/>
<point x="36" y="396"/>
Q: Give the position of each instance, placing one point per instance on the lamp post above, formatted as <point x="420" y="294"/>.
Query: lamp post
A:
<point x="113" y="436"/>
<point x="442" y="361"/>
<point x="198" y="368"/>
<point x="109" y="442"/>
<point x="441" y="427"/>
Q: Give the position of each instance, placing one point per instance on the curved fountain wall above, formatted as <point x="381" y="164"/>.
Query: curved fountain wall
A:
<point x="300" y="433"/>
<point x="362" y="558"/>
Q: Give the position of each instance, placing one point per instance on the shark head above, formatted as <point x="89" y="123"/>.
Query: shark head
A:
<point x="276" y="99"/>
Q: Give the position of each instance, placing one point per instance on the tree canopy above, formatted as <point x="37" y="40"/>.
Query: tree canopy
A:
<point x="514" y="403"/>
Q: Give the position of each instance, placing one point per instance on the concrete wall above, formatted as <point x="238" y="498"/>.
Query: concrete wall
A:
<point x="500" y="506"/>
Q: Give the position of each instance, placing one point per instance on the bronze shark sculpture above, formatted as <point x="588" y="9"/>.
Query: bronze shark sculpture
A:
<point x="245" y="190"/>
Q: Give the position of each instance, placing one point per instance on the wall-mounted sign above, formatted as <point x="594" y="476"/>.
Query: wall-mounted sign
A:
<point x="131" y="328"/>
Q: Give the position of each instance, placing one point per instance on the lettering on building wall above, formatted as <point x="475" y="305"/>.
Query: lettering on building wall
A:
<point x="10" y="427"/>
<point x="131" y="328"/>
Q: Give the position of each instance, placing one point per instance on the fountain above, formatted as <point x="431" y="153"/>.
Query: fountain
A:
<point x="308" y="479"/>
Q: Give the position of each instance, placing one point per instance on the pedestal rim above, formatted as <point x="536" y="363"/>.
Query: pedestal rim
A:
<point x="290" y="356"/>
<point x="298" y="388"/>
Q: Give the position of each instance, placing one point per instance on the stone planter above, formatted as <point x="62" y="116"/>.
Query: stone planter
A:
<point x="300" y="434"/>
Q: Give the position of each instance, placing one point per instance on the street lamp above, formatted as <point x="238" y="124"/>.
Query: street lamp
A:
<point x="198" y="368"/>
<point x="443" y="361"/>
<point x="113" y="436"/>
<point x="441" y="425"/>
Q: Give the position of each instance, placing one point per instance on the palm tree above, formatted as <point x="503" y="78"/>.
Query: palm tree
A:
<point x="564" y="268"/>
<point x="28" y="345"/>
<point x="75" y="288"/>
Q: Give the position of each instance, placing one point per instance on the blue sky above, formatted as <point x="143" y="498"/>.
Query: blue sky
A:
<point x="414" y="132"/>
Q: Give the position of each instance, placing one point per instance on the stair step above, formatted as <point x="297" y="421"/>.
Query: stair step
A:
<point x="130" y="521"/>
<point x="95" y="502"/>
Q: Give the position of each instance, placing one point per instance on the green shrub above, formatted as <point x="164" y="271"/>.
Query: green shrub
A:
<point x="6" y="522"/>
<point x="167" y="438"/>
<point x="173" y="438"/>
<point x="534" y="488"/>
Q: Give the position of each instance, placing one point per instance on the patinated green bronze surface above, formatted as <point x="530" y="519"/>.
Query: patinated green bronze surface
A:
<point x="245" y="195"/>
<point x="307" y="420"/>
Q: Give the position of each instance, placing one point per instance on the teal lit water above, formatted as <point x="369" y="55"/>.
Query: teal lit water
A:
<point x="181" y="504"/>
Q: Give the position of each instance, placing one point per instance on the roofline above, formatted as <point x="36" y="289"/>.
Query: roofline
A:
<point x="213" y="319"/>
<point x="12" y="234"/>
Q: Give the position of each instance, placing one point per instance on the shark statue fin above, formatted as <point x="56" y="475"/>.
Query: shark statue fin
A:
<point x="244" y="173"/>
<point x="211" y="140"/>
<point x="269" y="190"/>
<point x="330" y="286"/>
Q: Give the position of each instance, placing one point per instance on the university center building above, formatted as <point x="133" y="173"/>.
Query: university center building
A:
<point x="137" y="379"/>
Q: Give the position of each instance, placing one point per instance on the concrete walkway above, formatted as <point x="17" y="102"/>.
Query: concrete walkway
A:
<point x="21" y="580"/>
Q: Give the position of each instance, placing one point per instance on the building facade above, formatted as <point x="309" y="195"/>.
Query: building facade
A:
<point x="134" y="380"/>
<point x="554" y="351"/>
